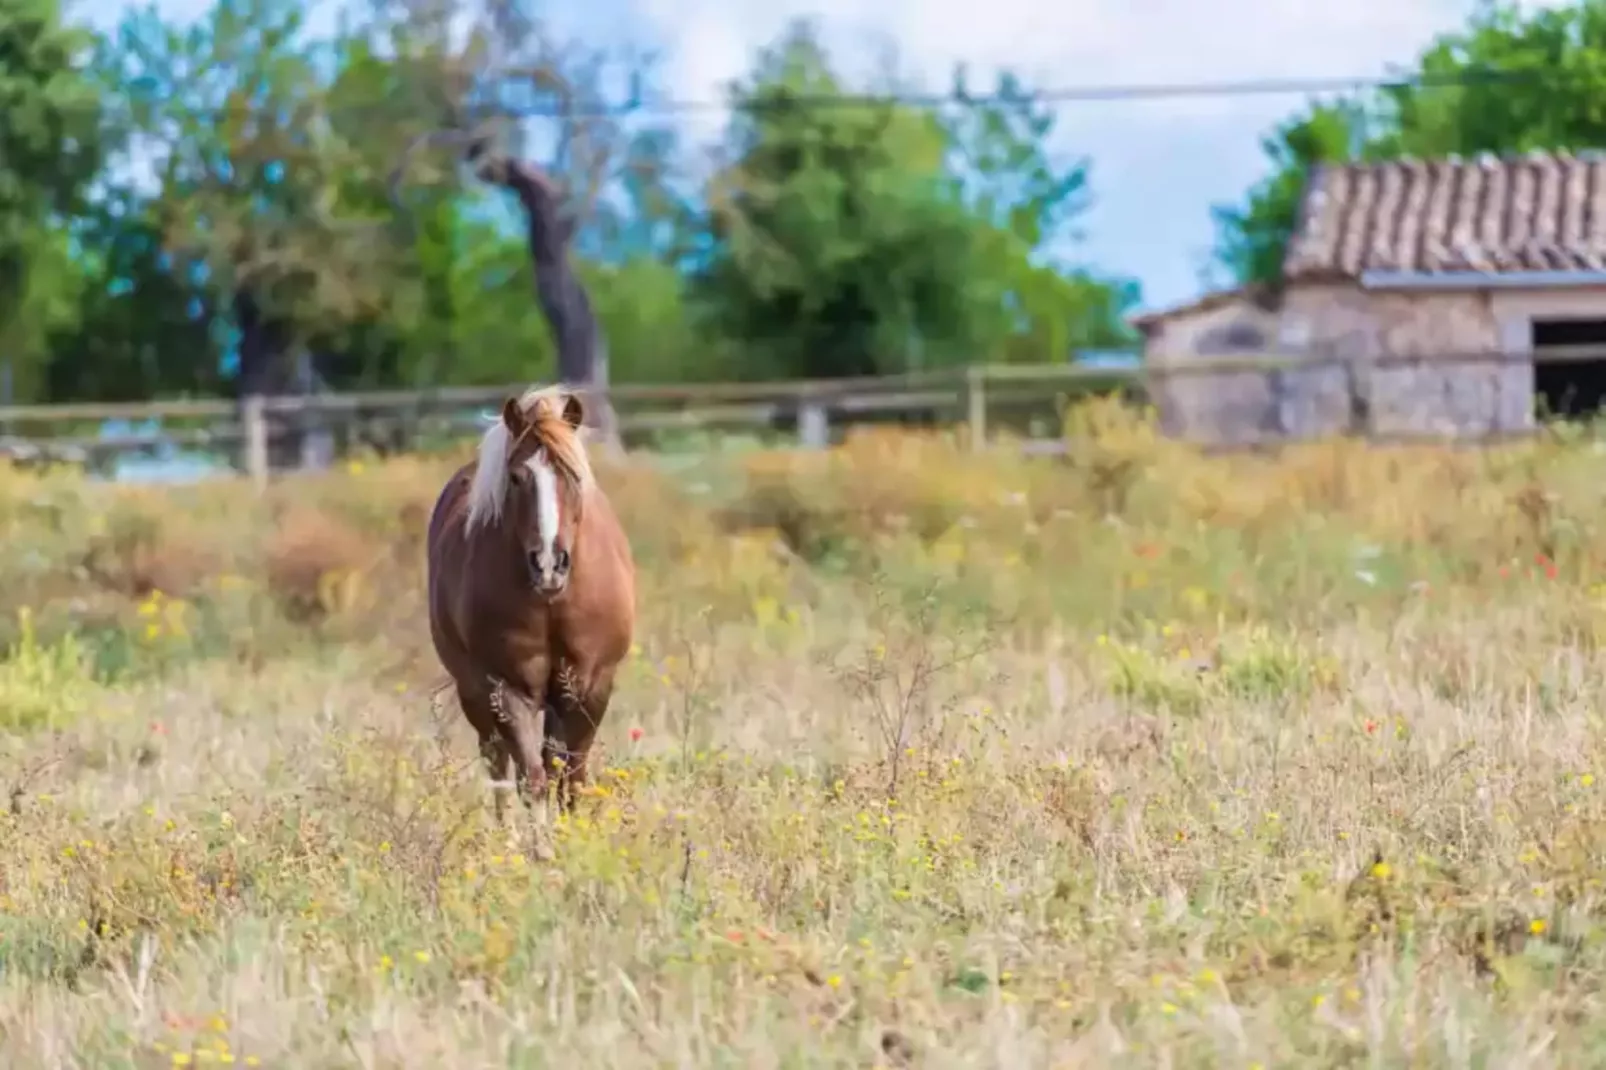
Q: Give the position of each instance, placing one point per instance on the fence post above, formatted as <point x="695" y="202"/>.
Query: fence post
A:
<point x="976" y="406"/>
<point x="813" y="426"/>
<point x="254" y="420"/>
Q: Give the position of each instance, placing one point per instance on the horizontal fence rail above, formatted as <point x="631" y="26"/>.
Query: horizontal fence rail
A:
<point x="693" y="395"/>
<point x="249" y="431"/>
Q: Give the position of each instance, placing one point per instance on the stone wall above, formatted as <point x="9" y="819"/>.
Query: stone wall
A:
<point x="1379" y="361"/>
<point x="1433" y="393"/>
<point x="1236" y="408"/>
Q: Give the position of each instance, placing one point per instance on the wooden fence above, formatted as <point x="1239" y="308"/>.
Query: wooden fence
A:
<point x="1027" y="399"/>
<point x="255" y="435"/>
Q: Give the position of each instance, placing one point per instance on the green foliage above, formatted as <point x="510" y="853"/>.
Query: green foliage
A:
<point x="642" y="307"/>
<point x="46" y="305"/>
<point x="1261" y="665"/>
<point x="1250" y="240"/>
<point x="259" y="172"/>
<point x="48" y="143"/>
<point x="43" y="684"/>
<point x="869" y="239"/>
<point x="262" y="187"/>
<point x="146" y="325"/>
<point x="1032" y="305"/>
<point x="1153" y="681"/>
<point x="840" y="245"/>
<point x="50" y="150"/>
<point x="1552" y="68"/>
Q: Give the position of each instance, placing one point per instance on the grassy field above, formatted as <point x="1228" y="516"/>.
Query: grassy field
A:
<point x="923" y="760"/>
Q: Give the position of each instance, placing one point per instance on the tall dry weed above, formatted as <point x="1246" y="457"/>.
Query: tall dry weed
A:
<point x="1290" y="759"/>
<point x="1110" y="448"/>
<point x="146" y="545"/>
<point x="317" y="565"/>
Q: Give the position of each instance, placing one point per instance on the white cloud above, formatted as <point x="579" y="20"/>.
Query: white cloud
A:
<point x="1080" y="43"/>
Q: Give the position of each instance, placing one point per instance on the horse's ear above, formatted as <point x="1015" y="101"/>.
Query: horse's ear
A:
<point x="513" y="417"/>
<point x="574" y="411"/>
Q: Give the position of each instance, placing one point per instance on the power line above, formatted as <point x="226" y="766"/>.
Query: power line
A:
<point x="639" y="105"/>
<point x="1097" y="93"/>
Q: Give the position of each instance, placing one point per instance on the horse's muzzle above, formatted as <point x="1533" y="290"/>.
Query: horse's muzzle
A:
<point x="549" y="575"/>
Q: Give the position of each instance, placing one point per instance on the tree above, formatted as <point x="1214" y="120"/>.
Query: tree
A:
<point x="1529" y="80"/>
<point x="840" y="244"/>
<point x="50" y="151"/>
<point x="1027" y="206"/>
<point x="858" y="239"/>
<point x="1251" y="239"/>
<point x="286" y="205"/>
<point x="1509" y="81"/>
<point x="261" y="188"/>
<point x="510" y="68"/>
<point x="139" y="328"/>
<point x="564" y="299"/>
<point x="641" y="301"/>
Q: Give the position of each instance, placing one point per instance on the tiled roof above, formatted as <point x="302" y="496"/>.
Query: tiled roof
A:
<point x="1538" y="212"/>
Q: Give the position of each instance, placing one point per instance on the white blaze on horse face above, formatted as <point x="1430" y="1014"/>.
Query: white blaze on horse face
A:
<point x="546" y="503"/>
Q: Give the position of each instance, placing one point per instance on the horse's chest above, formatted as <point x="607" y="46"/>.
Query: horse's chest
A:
<point x="507" y="638"/>
<point x="533" y="643"/>
<point x="539" y="665"/>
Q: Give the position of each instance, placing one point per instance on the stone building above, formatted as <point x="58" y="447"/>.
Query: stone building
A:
<point x="1418" y="298"/>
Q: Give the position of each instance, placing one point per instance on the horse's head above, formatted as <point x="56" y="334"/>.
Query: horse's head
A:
<point x="545" y="484"/>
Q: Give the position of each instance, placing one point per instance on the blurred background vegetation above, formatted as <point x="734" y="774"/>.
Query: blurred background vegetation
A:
<point x="237" y="202"/>
<point x="188" y="207"/>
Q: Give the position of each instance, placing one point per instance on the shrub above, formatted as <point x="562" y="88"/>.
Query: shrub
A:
<point x="145" y="546"/>
<point x="317" y="565"/>
<point x="43" y="685"/>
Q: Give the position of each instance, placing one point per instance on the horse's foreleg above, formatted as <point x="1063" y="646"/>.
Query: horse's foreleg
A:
<point x="499" y="765"/>
<point x="522" y="725"/>
<point x="480" y="707"/>
<point x="579" y="711"/>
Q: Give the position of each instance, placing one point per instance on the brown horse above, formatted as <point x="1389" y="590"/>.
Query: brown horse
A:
<point x="531" y="595"/>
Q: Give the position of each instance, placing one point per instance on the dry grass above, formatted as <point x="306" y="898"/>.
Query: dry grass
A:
<point x="923" y="760"/>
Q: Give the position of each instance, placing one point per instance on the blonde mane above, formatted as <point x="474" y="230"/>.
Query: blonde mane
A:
<point x="543" y="409"/>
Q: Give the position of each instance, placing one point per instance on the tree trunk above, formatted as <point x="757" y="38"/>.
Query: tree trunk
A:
<point x="260" y="351"/>
<point x="264" y="344"/>
<point x="582" y="356"/>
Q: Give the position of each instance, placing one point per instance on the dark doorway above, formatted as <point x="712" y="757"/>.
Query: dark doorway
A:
<point x="1571" y="389"/>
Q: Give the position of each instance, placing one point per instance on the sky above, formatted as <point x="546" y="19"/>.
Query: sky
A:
<point x="1157" y="166"/>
